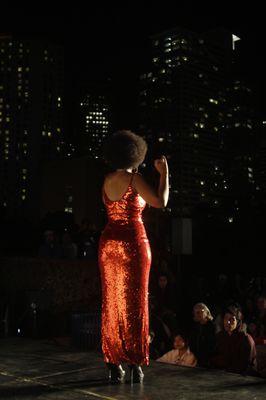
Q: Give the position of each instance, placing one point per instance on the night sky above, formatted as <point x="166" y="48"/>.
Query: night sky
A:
<point x="104" y="42"/>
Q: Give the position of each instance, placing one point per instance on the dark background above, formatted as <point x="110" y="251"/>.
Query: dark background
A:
<point x="112" y="42"/>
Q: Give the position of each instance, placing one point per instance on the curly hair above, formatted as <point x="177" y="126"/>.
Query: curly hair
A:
<point x="124" y="149"/>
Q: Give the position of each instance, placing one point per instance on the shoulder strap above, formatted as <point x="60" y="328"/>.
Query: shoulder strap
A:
<point x="132" y="176"/>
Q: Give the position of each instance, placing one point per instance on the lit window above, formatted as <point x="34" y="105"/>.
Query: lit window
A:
<point x="213" y="101"/>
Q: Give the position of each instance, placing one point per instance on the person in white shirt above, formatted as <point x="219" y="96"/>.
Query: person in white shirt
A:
<point x="180" y="355"/>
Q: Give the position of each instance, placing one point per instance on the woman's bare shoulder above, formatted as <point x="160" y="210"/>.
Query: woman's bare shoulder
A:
<point x="115" y="178"/>
<point x="109" y="176"/>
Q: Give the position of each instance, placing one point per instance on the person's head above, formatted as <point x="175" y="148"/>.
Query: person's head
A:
<point x="162" y="281"/>
<point x="164" y="264"/>
<point x="249" y="304"/>
<point x="253" y="329"/>
<point x="261" y="303"/>
<point x="201" y="313"/>
<point x="124" y="149"/>
<point x="85" y="222"/>
<point x="49" y="236"/>
<point x="180" y="341"/>
<point x="231" y="322"/>
<point x="66" y="238"/>
<point x="222" y="278"/>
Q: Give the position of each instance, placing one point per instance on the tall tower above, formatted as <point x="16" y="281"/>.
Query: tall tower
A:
<point x="31" y="119"/>
<point x="94" y="124"/>
<point x="187" y="109"/>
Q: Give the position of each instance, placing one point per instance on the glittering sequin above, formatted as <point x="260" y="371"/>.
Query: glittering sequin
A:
<point x="124" y="259"/>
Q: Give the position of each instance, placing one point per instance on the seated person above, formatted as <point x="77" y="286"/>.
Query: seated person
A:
<point x="236" y="351"/>
<point x="154" y="352"/>
<point x="202" y="339"/>
<point x="261" y="313"/>
<point x="235" y="308"/>
<point x="181" y="354"/>
<point x="257" y="323"/>
<point x="51" y="247"/>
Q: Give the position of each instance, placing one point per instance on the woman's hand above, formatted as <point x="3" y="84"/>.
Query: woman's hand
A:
<point x="161" y="165"/>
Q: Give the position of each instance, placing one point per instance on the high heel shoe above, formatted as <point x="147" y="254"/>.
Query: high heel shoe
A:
<point x="116" y="374"/>
<point x="136" y="374"/>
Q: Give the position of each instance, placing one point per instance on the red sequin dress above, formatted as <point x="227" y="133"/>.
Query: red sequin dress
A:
<point x="124" y="259"/>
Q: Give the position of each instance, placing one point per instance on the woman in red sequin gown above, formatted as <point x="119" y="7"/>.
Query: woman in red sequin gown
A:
<point x="124" y="251"/>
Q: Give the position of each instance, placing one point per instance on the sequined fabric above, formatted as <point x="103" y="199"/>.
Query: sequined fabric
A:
<point x="124" y="259"/>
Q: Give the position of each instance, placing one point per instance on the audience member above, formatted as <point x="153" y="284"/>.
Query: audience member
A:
<point x="181" y="354"/>
<point x="236" y="351"/>
<point x="202" y="340"/>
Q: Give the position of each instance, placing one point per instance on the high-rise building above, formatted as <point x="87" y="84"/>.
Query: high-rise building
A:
<point x="94" y="124"/>
<point x="260" y="165"/>
<point x="241" y="143"/>
<point x="187" y="108"/>
<point x="31" y="119"/>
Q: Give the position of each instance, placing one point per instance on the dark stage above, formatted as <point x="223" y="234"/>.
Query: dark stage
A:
<point x="44" y="370"/>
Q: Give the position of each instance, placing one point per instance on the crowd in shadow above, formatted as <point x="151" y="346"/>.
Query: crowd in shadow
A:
<point x="78" y="243"/>
<point x="211" y="321"/>
<point x="222" y="329"/>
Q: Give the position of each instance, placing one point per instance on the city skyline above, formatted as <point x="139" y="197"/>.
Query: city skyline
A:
<point x="114" y="42"/>
<point x="107" y="49"/>
<point x="82" y="84"/>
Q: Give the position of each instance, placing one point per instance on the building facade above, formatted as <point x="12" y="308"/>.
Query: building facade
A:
<point x="31" y="119"/>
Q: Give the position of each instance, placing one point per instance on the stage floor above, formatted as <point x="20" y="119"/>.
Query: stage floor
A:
<point x="43" y="370"/>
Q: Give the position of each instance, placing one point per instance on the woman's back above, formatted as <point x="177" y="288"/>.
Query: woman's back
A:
<point x="123" y="203"/>
<point x="116" y="184"/>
